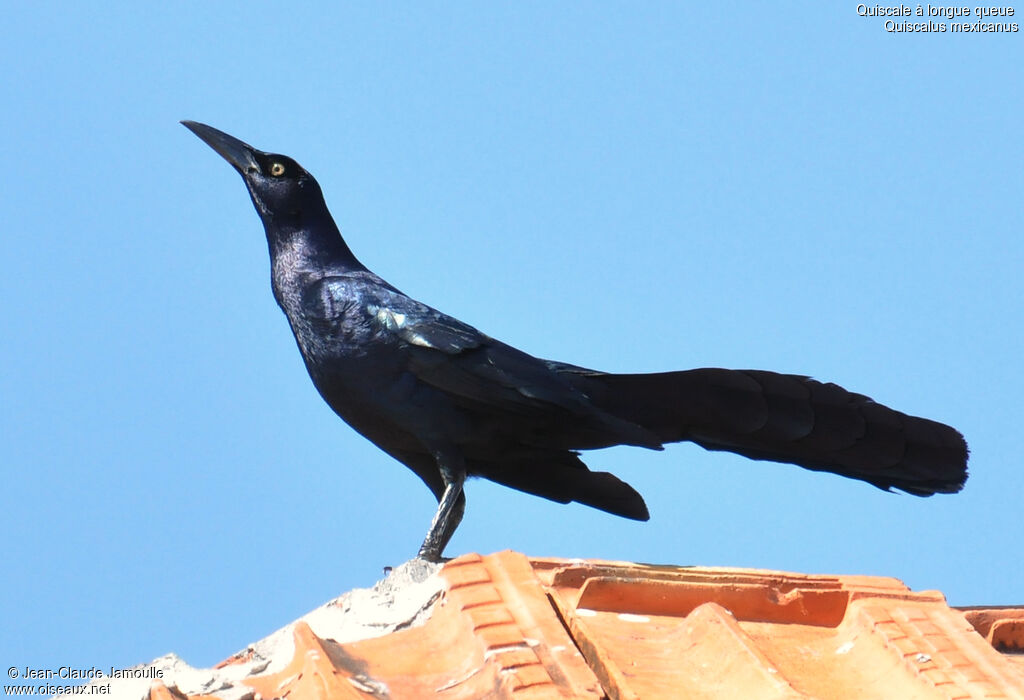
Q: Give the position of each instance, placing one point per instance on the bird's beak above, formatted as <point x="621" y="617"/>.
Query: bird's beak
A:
<point x="238" y="153"/>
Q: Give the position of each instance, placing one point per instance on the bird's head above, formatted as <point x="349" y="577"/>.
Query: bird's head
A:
<point x="283" y="192"/>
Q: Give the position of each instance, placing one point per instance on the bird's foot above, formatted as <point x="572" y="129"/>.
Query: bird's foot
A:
<point x="432" y="555"/>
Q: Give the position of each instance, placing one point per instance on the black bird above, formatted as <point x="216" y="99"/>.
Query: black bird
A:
<point x="450" y="402"/>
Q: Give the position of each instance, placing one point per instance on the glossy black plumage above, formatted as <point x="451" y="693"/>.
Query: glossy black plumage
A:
<point x="449" y="401"/>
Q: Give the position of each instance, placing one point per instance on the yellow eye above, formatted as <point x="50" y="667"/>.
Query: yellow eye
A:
<point x="277" y="169"/>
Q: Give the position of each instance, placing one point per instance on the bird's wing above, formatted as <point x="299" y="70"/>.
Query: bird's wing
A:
<point x="484" y="373"/>
<point x="474" y="370"/>
<point x="457" y="358"/>
<point x="419" y="325"/>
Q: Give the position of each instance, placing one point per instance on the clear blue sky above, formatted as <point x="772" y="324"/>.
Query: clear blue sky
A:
<point x="783" y="187"/>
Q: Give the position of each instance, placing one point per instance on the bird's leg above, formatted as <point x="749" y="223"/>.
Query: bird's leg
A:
<point x="435" y="542"/>
<point x="450" y="507"/>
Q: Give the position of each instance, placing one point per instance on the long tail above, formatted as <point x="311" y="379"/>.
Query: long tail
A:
<point x="789" y="418"/>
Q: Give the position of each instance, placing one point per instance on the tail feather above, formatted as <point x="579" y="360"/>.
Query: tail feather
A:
<point x="789" y="418"/>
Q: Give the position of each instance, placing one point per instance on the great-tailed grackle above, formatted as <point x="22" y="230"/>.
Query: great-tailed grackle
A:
<point x="450" y="402"/>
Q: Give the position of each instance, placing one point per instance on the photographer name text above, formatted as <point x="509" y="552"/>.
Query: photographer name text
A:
<point x="82" y="674"/>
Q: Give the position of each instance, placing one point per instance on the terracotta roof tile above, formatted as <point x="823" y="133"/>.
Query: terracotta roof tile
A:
<point x="512" y="627"/>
